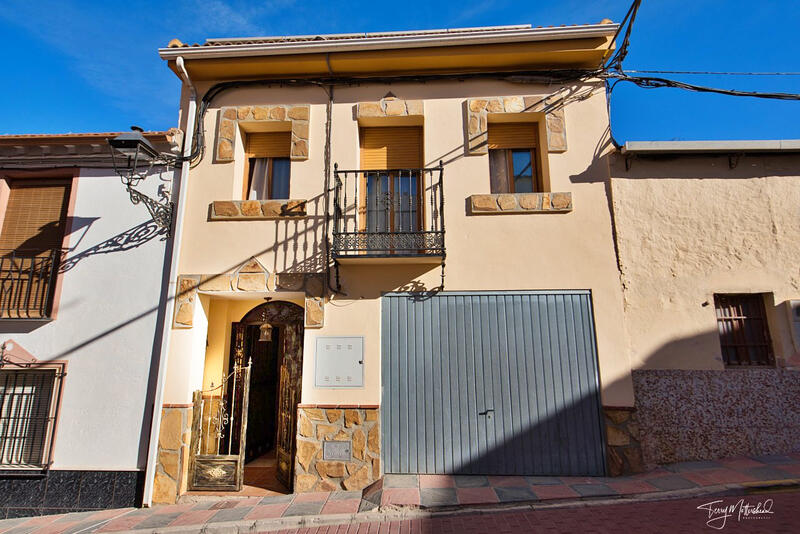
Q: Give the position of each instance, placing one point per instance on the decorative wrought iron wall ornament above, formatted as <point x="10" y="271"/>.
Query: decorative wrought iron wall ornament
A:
<point x="133" y="158"/>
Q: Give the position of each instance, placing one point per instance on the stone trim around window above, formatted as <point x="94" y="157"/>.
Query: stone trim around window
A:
<point x="478" y="110"/>
<point x="256" y="210"/>
<point x="389" y="107"/>
<point x="520" y="203"/>
<point x="229" y="117"/>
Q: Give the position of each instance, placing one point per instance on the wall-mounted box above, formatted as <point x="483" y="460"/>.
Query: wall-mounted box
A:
<point x="793" y="313"/>
<point x="339" y="362"/>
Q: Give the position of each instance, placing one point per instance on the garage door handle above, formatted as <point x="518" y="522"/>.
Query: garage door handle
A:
<point x="486" y="412"/>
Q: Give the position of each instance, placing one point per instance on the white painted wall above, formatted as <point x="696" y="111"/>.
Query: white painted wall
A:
<point x="105" y="329"/>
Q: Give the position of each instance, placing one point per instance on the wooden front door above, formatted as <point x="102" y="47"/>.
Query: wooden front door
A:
<point x="288" y="398"/>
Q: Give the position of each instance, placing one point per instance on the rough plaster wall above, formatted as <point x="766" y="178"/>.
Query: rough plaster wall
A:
<point x="690" y="227"/>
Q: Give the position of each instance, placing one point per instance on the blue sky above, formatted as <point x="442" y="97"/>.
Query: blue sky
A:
<point x="93" y="66"/>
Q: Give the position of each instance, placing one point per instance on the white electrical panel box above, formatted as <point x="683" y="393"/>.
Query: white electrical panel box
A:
<point x="793" y="311"/>
<point x="339" y="362"/>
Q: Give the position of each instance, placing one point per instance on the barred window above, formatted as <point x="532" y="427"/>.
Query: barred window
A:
<point x="743" y="331"/>
<point x="28" y="399"/>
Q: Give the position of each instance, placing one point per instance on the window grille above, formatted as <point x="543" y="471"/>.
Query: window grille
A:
<point x="28" y="402"/>
<point x="743" y="331"/>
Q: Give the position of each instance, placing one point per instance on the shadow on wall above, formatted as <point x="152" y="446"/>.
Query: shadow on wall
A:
<point x="129" y="239"/>
<point x="705" y="414"/>
<point x="680" y="415"/>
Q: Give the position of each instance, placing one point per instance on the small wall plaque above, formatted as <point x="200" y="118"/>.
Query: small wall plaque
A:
<point x="337" y="450"/>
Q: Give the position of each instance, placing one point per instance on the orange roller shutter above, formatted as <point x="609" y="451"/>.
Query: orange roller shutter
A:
<point x="513" y="135"/>
<point x="391" y="148"/>
<point x="36" y="215"/>
<point x="269" y="144"/>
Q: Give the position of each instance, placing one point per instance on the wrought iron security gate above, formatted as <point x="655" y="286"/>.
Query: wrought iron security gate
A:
<point x="219" y="427"/>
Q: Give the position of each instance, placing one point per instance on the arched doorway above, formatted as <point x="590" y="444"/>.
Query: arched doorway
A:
<point x="271" y="336"/>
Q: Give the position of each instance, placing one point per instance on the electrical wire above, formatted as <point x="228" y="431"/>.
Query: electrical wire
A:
<point x="715" y="73"/>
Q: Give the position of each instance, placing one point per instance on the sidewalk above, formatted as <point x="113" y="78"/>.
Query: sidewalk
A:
<point x="407" y="494"/>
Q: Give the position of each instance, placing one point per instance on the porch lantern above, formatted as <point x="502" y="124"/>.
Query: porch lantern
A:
<point x="132" y="156"/>
<point x="266" y="332"/>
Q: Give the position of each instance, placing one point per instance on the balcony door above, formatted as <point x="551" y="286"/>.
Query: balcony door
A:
<point x="391" y="189"/>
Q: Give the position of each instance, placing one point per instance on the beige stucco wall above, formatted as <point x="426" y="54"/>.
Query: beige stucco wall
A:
<point x="689" y="227"/>
<point x="498" y="252"/>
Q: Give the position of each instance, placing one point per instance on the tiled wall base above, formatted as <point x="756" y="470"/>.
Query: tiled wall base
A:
<point x="59" y="492"/>
<point x="706" y="415"/>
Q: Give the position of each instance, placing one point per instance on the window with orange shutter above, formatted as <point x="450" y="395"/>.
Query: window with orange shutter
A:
<point x="30" y="246"/>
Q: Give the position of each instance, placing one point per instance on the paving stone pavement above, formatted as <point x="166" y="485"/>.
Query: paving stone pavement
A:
<point x="433" y="492"/>
<point x="660" y="517"/>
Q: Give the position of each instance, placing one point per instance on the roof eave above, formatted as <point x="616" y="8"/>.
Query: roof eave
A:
<point x="643" y="148"/>
<point x="387" y="43"/>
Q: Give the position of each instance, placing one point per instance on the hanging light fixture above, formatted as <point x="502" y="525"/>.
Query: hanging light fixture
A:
<point x="133" y="156"/>
<point x="266" y="332"/>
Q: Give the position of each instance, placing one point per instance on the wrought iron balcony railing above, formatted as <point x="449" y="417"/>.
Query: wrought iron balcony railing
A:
<point x="388" y="212"/>
<point x="27" y="280"/>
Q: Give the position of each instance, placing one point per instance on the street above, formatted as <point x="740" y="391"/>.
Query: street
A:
<point x="682" y="515"/>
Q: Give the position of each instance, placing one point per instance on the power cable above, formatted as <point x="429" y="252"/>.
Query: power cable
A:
<point x="715" y="73"/>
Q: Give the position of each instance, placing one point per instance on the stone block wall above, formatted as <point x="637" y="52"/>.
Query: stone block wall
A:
<point x="172" y="467"/>
<point x="623" y="447"/>
<point x="706" y="414"/>
<point x="229" y="117"/>
<point x="520" y="203"/>
<point x="360" y="425"/>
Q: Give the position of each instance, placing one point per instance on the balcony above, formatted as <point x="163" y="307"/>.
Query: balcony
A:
<point x="27" y="280"/>
<point x="388" y="215"/>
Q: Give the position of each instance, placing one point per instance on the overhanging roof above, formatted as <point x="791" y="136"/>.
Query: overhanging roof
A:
<point x="504" y="48"/>
<point x="710" y="147"/>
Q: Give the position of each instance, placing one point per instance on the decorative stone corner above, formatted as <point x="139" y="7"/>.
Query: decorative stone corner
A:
<point x="358" y="425"/>
<point x="520" y="203"/>
<point x="623" y="447"/>
<point x="251" y="276"/>
<point x="256" y="210"/>
<point x="184" y="301"/>
<point x="479" y="109"/>
<point x="315" y="312"/>
<point x="172" y="464"/>
<point x="389" y="107"/>
<point x="229" y="117"/>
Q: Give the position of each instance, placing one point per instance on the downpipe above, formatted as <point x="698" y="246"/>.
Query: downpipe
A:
<point x="155" y="427"/>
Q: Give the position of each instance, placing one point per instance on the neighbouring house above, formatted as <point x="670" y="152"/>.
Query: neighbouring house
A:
<point x="81" y="275"/>
<point x="707" y="237"/>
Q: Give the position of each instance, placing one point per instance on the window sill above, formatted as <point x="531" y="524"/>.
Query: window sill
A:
<point x="256" y="210"/>
<point x="520" y="203"/>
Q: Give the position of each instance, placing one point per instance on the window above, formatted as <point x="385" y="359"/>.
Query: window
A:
<point x="743" y="331"/>
<point x="514" y="165"/>
<point x="268" y="166"/>
<point x="28" y="402"/>
<point x="30" y="246"/>
<point x="391" y="158"/>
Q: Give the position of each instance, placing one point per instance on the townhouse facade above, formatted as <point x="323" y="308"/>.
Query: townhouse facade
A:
<point x="81" y="272"/>
<point x="468" y="320"/>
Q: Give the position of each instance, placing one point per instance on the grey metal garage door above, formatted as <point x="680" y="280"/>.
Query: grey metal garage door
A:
<point x="490" y="383"/>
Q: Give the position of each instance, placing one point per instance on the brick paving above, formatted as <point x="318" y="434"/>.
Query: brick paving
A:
<point x="434" y="492"/>
<point x="667" y="517"/>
